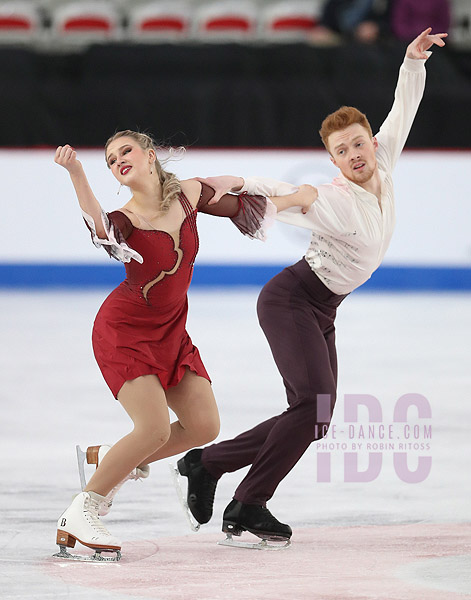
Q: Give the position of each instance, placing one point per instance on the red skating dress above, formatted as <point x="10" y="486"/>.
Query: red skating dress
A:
<point x="140" y="328"/>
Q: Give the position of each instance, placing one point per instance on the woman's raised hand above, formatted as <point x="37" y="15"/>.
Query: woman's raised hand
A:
<point x="66" y="157"/>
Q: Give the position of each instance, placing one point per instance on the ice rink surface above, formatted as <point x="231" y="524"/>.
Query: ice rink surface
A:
<point x="380" y="539"/>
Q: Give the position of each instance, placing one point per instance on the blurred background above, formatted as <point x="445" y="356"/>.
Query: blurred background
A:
<point x="244" y="86"/>
<point x="236" y="73"/>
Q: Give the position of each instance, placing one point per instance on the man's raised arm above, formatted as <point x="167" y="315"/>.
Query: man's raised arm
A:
<point x="410" y="87"/>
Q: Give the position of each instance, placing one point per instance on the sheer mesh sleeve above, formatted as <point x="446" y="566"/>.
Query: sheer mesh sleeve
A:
<point x="122" y="222"/>
<point x="251" y="214"/>
<point x="118" y="228"/>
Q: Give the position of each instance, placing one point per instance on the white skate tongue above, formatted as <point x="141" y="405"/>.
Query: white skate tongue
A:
<point x="143" y="472"/>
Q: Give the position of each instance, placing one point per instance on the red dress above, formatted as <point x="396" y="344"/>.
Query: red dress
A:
<point x="140" y="328"/>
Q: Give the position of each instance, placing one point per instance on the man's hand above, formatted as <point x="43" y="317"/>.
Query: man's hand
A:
<point x="418" y="48"/>
<point x="306" y="195"/>
<point x="221" y="185"/>
<point x="303" y="198"/>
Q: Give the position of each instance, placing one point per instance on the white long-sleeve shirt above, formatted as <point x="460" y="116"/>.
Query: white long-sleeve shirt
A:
<point x="351" y="230"/>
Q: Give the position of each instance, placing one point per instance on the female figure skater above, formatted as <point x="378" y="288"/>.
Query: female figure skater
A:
<point x="139" y="338"/>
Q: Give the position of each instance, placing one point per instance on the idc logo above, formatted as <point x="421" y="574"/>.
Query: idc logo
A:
<point x="406" y="439"/>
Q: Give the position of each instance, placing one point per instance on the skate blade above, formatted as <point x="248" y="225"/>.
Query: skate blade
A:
<point x="193" y="523"/>
<point x="261" y="545"/>
<point x="81" y="456"/>
<point x="96" y="558"/>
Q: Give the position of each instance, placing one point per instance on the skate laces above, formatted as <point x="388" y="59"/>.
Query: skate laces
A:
<point x="90" y="509"/>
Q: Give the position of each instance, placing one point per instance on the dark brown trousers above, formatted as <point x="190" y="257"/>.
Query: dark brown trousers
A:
<point x="296" y="312"/>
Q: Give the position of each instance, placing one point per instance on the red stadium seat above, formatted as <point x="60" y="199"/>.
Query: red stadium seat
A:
<point x="226" y="21"/>
<point x="86" y="22"/>
<point x="19" y="22"/>
<point x="159" y="21"/>
<point x="289" y="21"/>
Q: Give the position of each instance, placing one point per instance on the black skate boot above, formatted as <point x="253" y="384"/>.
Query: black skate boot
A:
<point x="201" y="485"/>
<point x="239" y="517"/>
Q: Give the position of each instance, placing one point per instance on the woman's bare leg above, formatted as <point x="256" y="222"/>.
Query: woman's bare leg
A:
<point x="145" y="402"/>
<point x="192" y="400"/>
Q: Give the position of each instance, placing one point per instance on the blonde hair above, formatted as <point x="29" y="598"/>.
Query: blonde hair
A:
<point x="171" y="186"/>
<point x="341" y="119"/>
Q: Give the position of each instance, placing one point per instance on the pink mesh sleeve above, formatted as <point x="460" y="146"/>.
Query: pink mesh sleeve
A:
<point x="117" y="227"/>
<point x="251" y="214"/>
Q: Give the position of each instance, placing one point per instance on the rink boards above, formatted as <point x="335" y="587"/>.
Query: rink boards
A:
<point x="46" y="244"/>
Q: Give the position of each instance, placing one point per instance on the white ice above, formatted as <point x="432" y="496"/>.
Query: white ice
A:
<point x="53" y="397"/>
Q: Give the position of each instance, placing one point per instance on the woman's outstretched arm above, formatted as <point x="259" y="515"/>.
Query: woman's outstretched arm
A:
<point x="66" y="157"/>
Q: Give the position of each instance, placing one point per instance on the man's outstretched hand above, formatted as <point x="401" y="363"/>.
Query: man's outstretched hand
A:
<point x="418" y="48"/>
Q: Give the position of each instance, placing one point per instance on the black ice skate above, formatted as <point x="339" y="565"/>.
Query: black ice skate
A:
<point x="239" y="517"/>
<point x="201" y="486"/>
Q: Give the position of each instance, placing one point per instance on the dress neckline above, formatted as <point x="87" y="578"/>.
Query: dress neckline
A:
<point x="186" y="207"/>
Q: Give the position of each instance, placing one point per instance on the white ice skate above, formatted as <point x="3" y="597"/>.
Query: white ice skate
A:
<point x="261" y="545"/>
<point x="94" y="455"/>
<point x="192" y="522"/>
<point x="80" y="523"/>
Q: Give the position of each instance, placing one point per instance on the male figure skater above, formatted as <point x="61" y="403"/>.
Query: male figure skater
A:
<point x="352" y="222"/>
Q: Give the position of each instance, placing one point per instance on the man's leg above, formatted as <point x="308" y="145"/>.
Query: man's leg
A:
<point x="223" y="457"/>
<point x="279" y="299"/>
<point x="306" y="359"/>
<point x="300" y="330"/>
<point x="231" y="455"/>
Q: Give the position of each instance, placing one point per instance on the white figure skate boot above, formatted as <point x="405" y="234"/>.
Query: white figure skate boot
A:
<point x="80" y="523"/>
<point x="94" y="456"/>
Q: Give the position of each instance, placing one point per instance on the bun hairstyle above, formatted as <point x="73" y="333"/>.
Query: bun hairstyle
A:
<point x="171" y="186"/>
